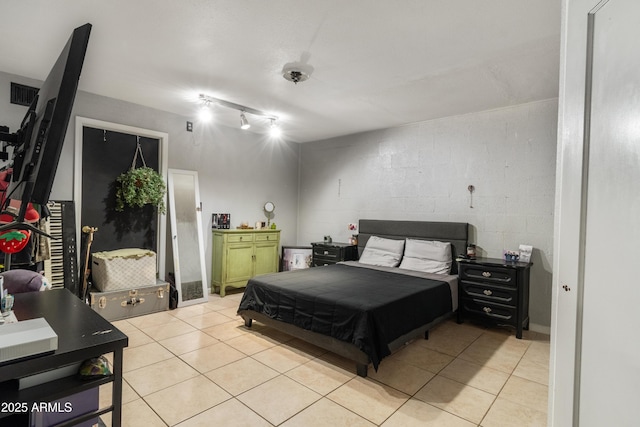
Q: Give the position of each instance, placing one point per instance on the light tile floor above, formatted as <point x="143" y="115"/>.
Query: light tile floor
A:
<point x="200" y="366"/>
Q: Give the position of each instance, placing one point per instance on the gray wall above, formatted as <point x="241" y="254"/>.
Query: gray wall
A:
<point x="237" y="170"/>
<point x="421" y="172"/>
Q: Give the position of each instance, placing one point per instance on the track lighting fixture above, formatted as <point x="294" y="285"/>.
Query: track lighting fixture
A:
<point x="244" y="123"/>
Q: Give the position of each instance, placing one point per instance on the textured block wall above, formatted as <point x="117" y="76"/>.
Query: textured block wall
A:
<point x="421" y="171"/>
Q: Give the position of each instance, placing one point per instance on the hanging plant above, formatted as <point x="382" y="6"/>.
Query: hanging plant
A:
<point x="140" y="186"/>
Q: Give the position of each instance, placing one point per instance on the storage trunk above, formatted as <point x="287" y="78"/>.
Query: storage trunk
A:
<point x="123" y="269"/>
<point x="118" y="305"/>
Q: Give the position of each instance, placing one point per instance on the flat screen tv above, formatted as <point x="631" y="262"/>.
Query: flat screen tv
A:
<point x="38" y="142"/>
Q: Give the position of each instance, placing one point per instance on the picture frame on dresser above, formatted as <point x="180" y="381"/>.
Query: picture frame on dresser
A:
<point x="295" y="257"/>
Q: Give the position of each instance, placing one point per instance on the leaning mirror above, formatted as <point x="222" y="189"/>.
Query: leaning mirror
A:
<point x="186" y="237"/>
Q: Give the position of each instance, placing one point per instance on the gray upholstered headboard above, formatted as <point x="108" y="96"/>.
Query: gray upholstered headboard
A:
<point x="455" y="232"/>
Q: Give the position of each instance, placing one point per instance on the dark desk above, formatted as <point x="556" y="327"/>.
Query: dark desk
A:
<point x="76" y="325"/>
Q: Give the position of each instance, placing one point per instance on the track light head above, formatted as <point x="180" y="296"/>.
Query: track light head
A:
<point x="205" y="114"/>
<point x="274" y="129"/>
<point x="244" y="123"/>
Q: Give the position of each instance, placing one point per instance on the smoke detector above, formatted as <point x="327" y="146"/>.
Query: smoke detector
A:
<point x="296" y="72"/>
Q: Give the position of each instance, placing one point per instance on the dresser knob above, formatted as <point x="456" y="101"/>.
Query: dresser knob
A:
<point x="486" y="274"/>
<point x="326" y="252"/>
<point x="486" y="309"/>
<point x="487" y="292"/>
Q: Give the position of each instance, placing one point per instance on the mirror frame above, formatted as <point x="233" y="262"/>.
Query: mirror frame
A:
<point x="175" y="238"/>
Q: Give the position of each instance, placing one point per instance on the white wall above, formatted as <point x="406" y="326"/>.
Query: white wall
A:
<point x="421" y="172"/>
<point x="238" y="171"/>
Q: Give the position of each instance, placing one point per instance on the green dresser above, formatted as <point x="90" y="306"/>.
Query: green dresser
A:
<point x="238" y="255"/>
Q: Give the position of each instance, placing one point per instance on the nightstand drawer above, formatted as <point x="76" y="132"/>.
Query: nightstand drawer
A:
<point x="321" y="262"/>
<point x="328" y="252"/>
<point x="490" y="309"/>
<point x="488" y="274"/>
<point x="502" y="295"/>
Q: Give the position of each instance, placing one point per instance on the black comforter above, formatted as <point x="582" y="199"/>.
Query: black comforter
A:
<point x="366" y="307"/>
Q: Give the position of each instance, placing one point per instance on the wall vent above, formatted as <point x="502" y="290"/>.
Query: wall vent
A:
<point x="22" y="94"/>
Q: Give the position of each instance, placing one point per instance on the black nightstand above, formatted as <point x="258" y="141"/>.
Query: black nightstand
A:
<point x="330" y="253"/>
<point x="495" y="290"/>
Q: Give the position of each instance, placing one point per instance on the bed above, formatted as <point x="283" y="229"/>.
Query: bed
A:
<point x="361" y="312"/>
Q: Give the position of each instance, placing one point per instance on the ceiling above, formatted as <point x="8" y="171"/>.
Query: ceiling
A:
<point x="376" y="64"/>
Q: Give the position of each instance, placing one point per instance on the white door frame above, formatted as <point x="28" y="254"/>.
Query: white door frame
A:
<point x="571" y="210"/>
<point x="163" y="162"/>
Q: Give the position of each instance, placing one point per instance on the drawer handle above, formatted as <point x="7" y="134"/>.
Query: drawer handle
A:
<point x="486" y="309"/>
<point x="133" y="301"/>
<point x="240" y="238"/>
<point x="486" y="274"/>
<point x="326" y="252"/>
<point x="487" y="292"/>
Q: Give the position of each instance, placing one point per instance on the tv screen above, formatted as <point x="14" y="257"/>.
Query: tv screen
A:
<point x="36" y="157"/>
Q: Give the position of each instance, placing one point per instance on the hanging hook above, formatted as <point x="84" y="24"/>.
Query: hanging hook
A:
<point x="138" y="151"/>
<point x="471" y="189"/>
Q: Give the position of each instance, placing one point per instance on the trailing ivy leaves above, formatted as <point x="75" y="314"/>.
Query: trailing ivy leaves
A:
<point x="138" y="187"/>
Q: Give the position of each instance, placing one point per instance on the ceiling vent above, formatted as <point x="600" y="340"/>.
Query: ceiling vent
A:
<point x="23" y="94"/>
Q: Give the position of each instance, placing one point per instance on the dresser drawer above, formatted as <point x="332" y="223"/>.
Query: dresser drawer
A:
<point x="242" y="237"/>
<point x="499" y="294"/>
<point x="488" y="274"/>
<point x="266" y="237"/>
<point x="490" y="309"/>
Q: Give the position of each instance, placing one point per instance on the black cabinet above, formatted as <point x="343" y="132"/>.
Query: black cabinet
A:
<point x="495" y="290"/>
<point x="330" y="253"/>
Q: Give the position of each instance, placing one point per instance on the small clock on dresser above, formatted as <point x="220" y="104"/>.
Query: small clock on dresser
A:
<point x="495" y="290"/>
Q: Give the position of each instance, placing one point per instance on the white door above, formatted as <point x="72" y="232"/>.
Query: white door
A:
<point x="595" y="361"/>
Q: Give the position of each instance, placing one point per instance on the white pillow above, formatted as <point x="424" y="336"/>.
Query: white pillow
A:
<point x="429" y="256"/>
<point x="382" y="252"/>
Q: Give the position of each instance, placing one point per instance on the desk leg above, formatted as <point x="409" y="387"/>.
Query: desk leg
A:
<point x="116" y="415"/>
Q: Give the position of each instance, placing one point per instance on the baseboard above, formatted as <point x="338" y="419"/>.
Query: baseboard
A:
<point x="540" y="329"/>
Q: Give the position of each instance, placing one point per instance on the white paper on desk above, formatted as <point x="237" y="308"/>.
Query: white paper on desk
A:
<point x="525" y="253"/>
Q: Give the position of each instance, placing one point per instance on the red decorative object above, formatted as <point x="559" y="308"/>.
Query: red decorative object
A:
<point x="13" y="241"/>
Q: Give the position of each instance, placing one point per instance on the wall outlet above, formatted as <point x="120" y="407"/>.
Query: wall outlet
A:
<point x="189" y="126"/>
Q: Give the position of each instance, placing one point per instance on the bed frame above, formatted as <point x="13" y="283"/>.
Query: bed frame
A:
<point x="455" y="232"/>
